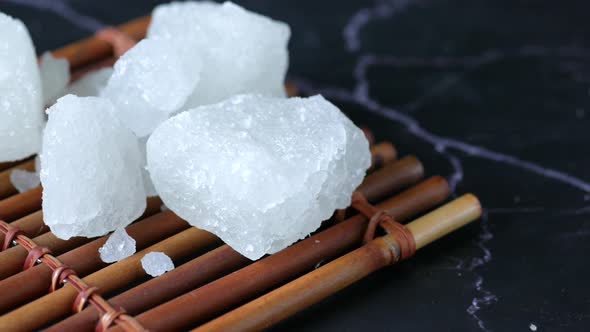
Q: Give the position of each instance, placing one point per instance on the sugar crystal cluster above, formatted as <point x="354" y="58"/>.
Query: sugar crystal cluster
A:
<point x="196" y="113"/>
<point x="259" y="172"/>
<point x="21" y="109"/>
<point x="90" y="169"/>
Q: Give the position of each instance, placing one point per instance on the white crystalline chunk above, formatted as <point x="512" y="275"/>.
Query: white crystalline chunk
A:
<point x="21" y="109"/>
<point x="150" y="190"/>
<point x="90" y="169"/>
<point x="150" y="82"/>
<point x="156" y="263"/>
<point x="117" y="247"/>
<point x="55" y="76"/>
<point x="241" y="51"/>
<point x="91" y="84"/>
<point x="24" y="180"/>
<point x="259" y="172"/>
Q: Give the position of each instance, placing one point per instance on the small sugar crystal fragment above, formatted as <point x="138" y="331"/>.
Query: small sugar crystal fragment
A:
<point x="91" y="84"/>
<point x="259" y="172"/>
<point x="55" y="76"/>
<point x="241" y="51"/>
<point x="24" y="180"/>
<point x="90" y="169"/>
<point x="117" y="247"/>
<point x="156" y="263"/>
<point x="21" y="107"/>
<point x="533" y="327"/>
<point x="151" y="81"/>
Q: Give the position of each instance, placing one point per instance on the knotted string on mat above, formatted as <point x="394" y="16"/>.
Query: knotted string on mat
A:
<point x="385" y="220"/>
<point x="120" y="41"/>
<point x="61" y="274"/>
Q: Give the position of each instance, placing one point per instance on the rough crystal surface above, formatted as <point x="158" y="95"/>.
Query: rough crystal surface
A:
<point x="90" y="169"/>
<point x="150" y="82"/>
<point x="117" y="247"/>
<point x="150" y="190"/>
<point x="156" y="263"/>
<point x="241" y="51"/>
<point x="91" y="84"/>
<point x="55" y="76"/>
<point x="24" y="180"/>
<point x="21" y="109"/>
<point x="259" y="172"/>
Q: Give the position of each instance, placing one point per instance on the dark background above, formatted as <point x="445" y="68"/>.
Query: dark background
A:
<point x="494" y="95"/>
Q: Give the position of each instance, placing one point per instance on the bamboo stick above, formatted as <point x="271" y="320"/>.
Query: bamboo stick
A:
<point x="59" y="303"/>
<point x="6" y="187"/>
<point x="203" y="269"/>
<point x="6" y="165"/>
<point x="382" y="154"/>
<point x="20" y="205"/>
<point x="224" y="259"/>
<point x="93" y="49"/>
<point x="53" y="306"/>
<point x="9" y="164"/>
<point x="11" y="260"/>
<point x="313" y="287"/>
<point x="35" y="282"/>
<point x="236" y="288"/>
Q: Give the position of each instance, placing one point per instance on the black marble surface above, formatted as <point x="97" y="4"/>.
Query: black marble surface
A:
<point x="492" y="94"/>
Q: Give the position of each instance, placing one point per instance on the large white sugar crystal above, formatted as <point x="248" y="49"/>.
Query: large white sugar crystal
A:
<point x="90" y="169"/>
<point x="117" y="247"/>
<point x="156" y="263"/>
<point x="55" y="76"/>
<point x="91" y="84"/>
<point x="24" y="180"/>
<point x="150" y="82"/>
<point x="21" y="108"/>
<point x="241" y="51"/>
<point x="259" y="172"/>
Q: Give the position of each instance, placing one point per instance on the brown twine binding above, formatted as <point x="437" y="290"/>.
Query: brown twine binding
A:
<point x="35" y="254"/>
<point x="59" y="276"/>
<point x="10" y="234"/>
<point x="383" y="218"/>
<point x="62" y="273"/>
<point x="107" y="319"/>
<point x="83" y="297"/>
